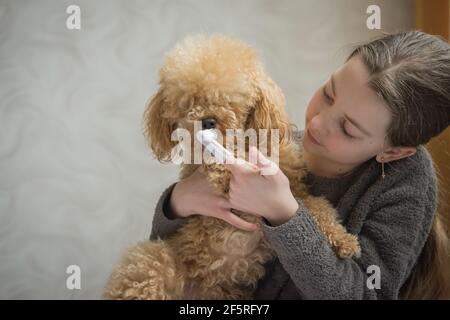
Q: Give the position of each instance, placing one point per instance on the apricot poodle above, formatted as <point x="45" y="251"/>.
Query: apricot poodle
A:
<point x="220" y="82"/>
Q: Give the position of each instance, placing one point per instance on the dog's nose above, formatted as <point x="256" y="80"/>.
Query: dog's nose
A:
<point x="208" y="123"/>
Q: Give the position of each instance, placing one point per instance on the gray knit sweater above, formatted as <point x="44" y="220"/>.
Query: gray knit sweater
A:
<point x="392" y="218"/>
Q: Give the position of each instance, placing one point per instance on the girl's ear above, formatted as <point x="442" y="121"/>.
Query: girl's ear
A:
<point x="157" y="128"/>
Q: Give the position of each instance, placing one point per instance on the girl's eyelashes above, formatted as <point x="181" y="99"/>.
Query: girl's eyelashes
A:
<point x="345" y="131"/>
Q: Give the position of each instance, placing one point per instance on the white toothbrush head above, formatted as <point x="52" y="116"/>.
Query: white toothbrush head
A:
<point x="208" y="138"/>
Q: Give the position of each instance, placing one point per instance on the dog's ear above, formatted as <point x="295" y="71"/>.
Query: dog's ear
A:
<point x="157" y="128"/>
<point x="269" y="110"/>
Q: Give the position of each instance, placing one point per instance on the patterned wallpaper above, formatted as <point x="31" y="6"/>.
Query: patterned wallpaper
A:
<point x="77" y="182"/>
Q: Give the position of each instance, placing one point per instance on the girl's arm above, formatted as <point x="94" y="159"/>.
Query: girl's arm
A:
<point x="391" y="239"/>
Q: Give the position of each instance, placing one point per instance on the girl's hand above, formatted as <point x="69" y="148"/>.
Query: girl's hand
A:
<point x="268" y="196"/>
<point x="194" y="195"/>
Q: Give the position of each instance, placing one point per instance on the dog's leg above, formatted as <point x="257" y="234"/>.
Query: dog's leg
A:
<point x="345" y="244"/>
<point x="147" y="272"/>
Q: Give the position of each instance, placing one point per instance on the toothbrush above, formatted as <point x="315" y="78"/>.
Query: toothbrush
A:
<point x="208" y="139"/>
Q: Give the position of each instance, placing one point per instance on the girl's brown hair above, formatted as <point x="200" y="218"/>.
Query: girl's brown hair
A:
<point x="411" y="72"/>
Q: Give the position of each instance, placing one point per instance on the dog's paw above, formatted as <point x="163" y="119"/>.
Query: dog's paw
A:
<point x="347" y="246"/>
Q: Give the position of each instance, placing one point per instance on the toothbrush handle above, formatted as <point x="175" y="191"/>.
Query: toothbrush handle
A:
<point x="220" y="153"/>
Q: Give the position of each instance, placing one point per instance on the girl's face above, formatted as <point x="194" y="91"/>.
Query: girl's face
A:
<point x="347" y="119"/>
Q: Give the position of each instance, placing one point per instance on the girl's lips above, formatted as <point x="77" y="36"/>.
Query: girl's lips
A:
<point x="310" y="136"/>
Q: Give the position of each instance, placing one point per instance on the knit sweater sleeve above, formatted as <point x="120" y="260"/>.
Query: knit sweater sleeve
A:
<point x="391" y="239"/>
<point x="164" y="225"/>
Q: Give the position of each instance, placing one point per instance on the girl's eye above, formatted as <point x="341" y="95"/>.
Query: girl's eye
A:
<point x="345" y="131"/>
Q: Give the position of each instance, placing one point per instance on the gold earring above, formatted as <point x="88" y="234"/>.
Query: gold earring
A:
<point x="382" y="167"/>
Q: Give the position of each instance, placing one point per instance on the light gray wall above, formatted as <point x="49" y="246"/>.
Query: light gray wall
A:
<point x="77" y="183"/>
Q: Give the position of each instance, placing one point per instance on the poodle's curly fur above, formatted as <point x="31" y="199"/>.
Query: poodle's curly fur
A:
<point x="215" y="76"/>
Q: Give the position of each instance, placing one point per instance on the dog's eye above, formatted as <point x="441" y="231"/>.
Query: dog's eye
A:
<point x="208" y="123"/>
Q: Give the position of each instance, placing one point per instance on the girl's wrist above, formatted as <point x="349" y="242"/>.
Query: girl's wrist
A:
<point x="284" y="214"/>
<point x="176" y="211"/>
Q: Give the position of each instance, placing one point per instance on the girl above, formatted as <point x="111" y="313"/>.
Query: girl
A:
<point x="363" y="145"/>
